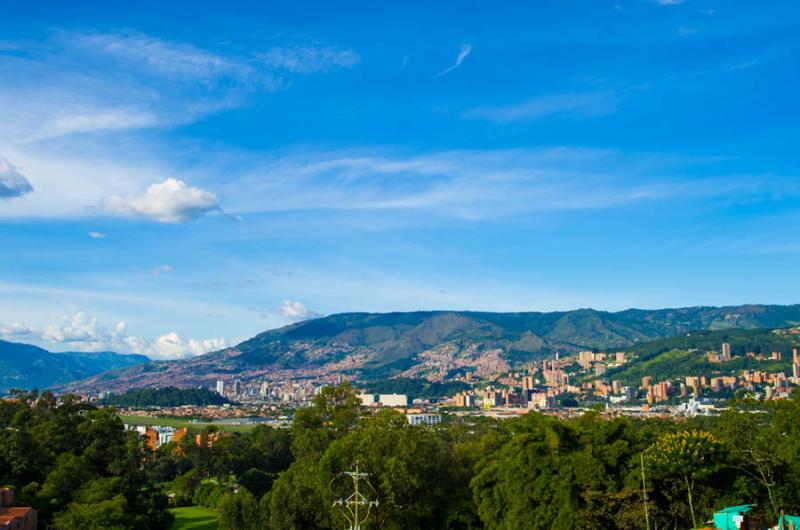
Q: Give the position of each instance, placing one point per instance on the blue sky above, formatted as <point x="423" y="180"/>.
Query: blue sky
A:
<point x="180" y="177"/>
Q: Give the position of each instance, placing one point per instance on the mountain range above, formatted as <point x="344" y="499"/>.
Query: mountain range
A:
<point x="24" y="366"/>
<point x="432" y="344"/>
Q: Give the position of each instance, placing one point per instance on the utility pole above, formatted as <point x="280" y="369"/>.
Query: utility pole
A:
<point x="644" y="494"/>
<point x="356" y="507"/>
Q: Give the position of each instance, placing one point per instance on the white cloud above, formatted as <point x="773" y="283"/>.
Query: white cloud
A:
<point x="77" y="328"/>
<point x="308" y="60"/>
<point x="161" y="269"/>
<point x="12" y="182"/>
<point x="83" y="332"/>
<point x="98" y="235"/>
<point x="577" y="105"/>
<point x="15" y="331"/>
<point x="668" y="2"/>
<point x="294" y="310"/>
<point x="172" y="346"/>
<point x="171" y="201"/>
<point x="465" y="50"/>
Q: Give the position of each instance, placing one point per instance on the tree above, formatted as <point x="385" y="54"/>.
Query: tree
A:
<point x="334" y="412"/>
<point x="239" y="511"/>
<point x="690" y="455"/>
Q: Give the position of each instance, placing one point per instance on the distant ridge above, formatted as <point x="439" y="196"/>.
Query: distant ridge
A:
<point x="24" y="366"/>
<point x="433" y="344"/>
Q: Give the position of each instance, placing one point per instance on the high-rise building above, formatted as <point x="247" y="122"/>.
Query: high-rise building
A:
<point x="264" y="390"/>
<point x="221" y="387"/>
<point x="726" y="351"/>
<point x="796" y="372"/>
<point x="796" y="355"/>
<point x="237" y="387"/>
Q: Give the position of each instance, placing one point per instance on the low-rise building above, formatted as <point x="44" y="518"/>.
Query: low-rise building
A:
<point x="15" y="517"/>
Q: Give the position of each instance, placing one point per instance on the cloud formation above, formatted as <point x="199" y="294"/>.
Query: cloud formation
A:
<point x="98" y="235"/>
<point x="84" y="332"/>
<point x="12" y="182"/>
<point x="465" y="50"/>
<point x="93" y="82"/>
<point x="575" y="105"/>
<point x="308" y="60"/>
<point x="296" y="311"/>
<point x="162" y="57"/>
<point x="171" y="201"/>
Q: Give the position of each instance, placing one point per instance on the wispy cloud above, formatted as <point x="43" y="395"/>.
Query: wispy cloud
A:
<point x="465" y="50"/>
<point x="160" y="57"/>
<point x="309" y="60"/>
<point x="575" y="105"/>
<point x="98" y="235"/>
<point x="480" y="183"/>
<point x="78" y="83"/>
<point x="668" y="2"/>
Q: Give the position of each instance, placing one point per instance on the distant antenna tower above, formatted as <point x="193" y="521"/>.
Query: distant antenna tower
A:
<point x="356" y="507"/>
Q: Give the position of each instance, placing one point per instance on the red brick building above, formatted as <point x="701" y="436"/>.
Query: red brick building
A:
<point x="11" y="518"/>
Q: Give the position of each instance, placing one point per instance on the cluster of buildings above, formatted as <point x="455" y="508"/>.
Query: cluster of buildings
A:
<point x="156" y="436"/>
<point x="543" y="385"/>
<point x="289" y="392"/>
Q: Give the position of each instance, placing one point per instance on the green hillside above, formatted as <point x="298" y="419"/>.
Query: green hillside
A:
<point x="685" y="355"/>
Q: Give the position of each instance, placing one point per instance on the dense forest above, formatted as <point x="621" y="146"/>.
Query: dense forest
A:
<point x="77" y="465"/>
<point x="166" y="397"/>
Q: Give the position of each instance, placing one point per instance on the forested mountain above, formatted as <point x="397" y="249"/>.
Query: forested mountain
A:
<point x="432" y="344"/>
<point x="24" y="366"/>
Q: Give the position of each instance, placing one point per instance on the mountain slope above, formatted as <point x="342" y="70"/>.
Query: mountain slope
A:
<point x="434" y="343"/>
<point x="24" y="366"/>
<point x="686" y="354"/>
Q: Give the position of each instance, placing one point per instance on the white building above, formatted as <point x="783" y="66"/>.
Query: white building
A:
<point x="393" y="400"/>
<point x="221" y="387"/>
<point x="424" y="419"/>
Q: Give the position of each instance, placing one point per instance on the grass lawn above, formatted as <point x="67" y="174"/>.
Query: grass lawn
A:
<point x="177" y="422"/>
<point x="194" y="518"/>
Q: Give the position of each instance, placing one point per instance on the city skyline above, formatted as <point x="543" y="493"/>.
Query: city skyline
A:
<point x="173" y="184"/>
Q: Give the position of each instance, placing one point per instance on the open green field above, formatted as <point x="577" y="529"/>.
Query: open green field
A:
<point x="177" y="422"/>
<point x="194" y="518"/>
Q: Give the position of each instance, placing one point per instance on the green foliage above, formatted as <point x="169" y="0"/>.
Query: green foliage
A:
<point x="71" y="461"/>
<point x="166" y="397"/>
<point x="239" y="511"/>
<point x="688" y="455"/>
<point x="76" y="465"/>
<point x="421" y="388"/>
<point x="540" y="478"/>
<point x="333" y="413"/>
